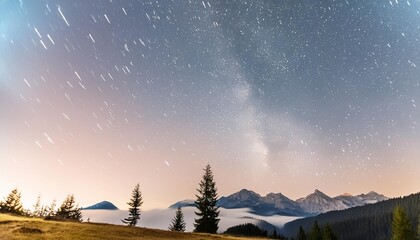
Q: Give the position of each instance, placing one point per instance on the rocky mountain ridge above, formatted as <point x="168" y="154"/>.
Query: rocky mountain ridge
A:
<point x="279" y="204"/>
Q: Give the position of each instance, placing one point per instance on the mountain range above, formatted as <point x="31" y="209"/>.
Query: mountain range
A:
<point x="269" y="212"/>
<point x="278" y="204"/>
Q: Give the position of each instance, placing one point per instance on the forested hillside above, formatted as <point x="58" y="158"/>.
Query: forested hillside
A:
<point x="372" y="221"/>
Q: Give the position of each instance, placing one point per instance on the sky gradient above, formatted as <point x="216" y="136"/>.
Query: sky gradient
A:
<point x="278" y="96"/>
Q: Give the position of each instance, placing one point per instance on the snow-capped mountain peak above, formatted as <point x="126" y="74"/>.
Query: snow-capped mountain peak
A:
<point x="243" y="198"/>
<point x="277" y="203"/>
<point x="276" y="196"/>
<point x="245" y="194"/>
<point x="371" y="197"/>
<point x="319" y="202"/>
<point x="320" y="194"/>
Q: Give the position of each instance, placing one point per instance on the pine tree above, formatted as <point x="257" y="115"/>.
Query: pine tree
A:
<point x="38" y="210"/>
<point x="316" y="232"/>
<point x="69" y="210"/>
<point x="178" y="223"/>
<point x="274" y="235"/>
<point x="418" y="228"/>
<point x="401" y="226"/>
<point x="134" y="211"/>
<point x="247" y="229"/>
<point x="208" y="212"/>
<point x="12" y="203"/>
<point x="50" y="210"/>
<point x="44" y="211"/>
<point x="301" y="235"/>
<point x="328" y="233"/>
<point x="77" y="214"/>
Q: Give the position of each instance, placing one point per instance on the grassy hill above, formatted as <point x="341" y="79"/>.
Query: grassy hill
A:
<point x="13" y="227"/>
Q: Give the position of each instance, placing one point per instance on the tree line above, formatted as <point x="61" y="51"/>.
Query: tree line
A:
<point x="252" y="230"/>
<point x="317" y="233"/>
<point x="68" y="210"/>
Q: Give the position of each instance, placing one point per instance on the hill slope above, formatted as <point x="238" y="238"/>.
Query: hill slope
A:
<point x="12" y="227"/>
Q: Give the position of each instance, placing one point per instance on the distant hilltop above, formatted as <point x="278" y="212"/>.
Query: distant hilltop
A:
<point x="104" y="205"/>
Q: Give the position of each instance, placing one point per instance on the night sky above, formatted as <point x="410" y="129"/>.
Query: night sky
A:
<point x="278" y="96"/>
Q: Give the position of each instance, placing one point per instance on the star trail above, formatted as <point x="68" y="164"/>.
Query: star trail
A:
<point x="279" y="96"/>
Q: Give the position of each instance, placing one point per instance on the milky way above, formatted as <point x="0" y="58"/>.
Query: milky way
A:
<point x="279" y="96"/>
